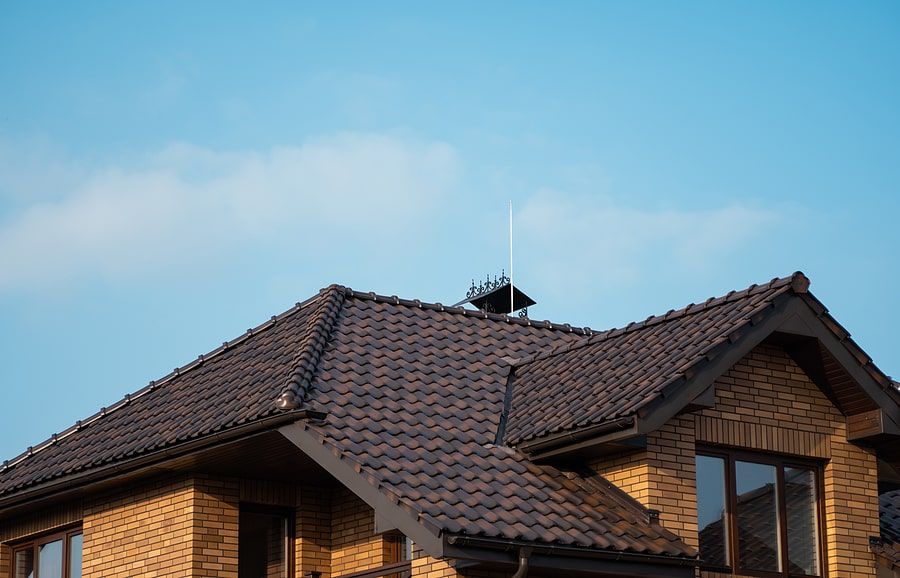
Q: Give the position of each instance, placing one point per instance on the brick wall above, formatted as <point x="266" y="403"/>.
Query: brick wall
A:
<point x="143" y="532"/>
<point x="312" y="533"/>
<point x="354" y="544"/>
<point x="5" y="560"/>
<point x="767" y="403"/>
<point x="764" y="403"/>
<point x="662" y="477"/>
<point x="216" y="507"/>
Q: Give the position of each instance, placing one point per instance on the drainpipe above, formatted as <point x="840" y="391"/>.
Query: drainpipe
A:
<point x="524" y="555"/>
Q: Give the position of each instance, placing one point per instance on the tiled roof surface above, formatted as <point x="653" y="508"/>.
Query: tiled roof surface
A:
<point x="616" y="373"/>
<point x="889" y="516"/>
<point x="231" y="386"/>
<point x="415" y="395"/>
<point x="889" y="519"/>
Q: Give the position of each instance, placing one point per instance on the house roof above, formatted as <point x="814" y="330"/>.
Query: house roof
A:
<point x="415" y="397"/>
<point x="617" y="373"/>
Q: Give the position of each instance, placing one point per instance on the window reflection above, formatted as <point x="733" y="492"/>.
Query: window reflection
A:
<point x="711" y="511"/>
<point x="24" y="564"/>
<point x="757" y="517"/>
<point x="75" y="546"/>
<point x="802" y="520"/>
<point x="50" y="559"/>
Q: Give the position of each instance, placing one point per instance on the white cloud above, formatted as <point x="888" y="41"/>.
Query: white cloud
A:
<point x="187" y="203"/>
<point x="589" y="244"/>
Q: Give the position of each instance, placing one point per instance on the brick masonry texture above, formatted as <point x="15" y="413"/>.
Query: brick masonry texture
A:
<point x="141" y="532"/>
<point x="764" y="403"/>
<point x="354" y="544"/>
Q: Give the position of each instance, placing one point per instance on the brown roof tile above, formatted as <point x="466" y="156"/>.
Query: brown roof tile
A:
<point x="615" y="373"/>
<point x="415" y="395"/>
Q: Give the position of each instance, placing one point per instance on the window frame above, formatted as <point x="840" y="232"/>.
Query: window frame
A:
<point x="34" y="543"/>
<point x="780" y="462"/>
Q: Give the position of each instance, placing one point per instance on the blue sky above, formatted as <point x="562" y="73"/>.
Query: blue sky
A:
<point x="173" y="173"/>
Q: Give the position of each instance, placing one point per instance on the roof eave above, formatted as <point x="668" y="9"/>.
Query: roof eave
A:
<point x="594" y="561"/>
<point x="84" y="480"/>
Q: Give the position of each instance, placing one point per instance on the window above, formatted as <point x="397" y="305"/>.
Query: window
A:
<point x="54" y="556"/>
<point x="264" y="542"/>
<point x="759" y="515"/>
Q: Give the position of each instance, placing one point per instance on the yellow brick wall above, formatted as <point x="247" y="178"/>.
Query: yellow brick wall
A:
<point x="5" y="560"/>
<point x="143" y="532"/>
<point x="767" y="403"/>
<point x="312" y="546"/>
<point x="764" y="403"/>
<point x="354" y="544"/>
<point x="216" y="507"/>
<point x="662" y="477"/>
<point x="427" y="567"/>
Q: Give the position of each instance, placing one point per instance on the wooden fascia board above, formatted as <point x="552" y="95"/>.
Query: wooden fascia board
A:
<point x="849" y="362"/>
<point x="391" y="514"/>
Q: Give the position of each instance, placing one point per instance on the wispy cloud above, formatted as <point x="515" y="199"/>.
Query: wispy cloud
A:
<point x="596" y="244"/>
<point x="186" y="204"/>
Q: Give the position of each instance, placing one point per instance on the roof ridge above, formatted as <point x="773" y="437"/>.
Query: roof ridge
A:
<point x="306" y="361"/>
<point x="157" y="383"/>
<point x="459" y="310"/>
<point x="797" y="282"/>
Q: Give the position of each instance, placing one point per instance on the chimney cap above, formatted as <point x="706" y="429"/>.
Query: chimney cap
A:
<point x="493" y="296"/>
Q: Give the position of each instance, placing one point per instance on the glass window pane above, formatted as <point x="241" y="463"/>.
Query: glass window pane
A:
<point x="711" y="511"/>
<point x="50" y="560"/>
<point x="24" y="564"/>
<point x="75" y="544"/>
<point x="802" y="521"/>
<point x="261" y="541"/>
<point x="757" y="517"/>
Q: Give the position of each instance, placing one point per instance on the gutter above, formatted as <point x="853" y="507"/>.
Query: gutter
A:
<point x="545" y="444"/>
<point x="133" y="465"/>
<point x="573" y="551"/>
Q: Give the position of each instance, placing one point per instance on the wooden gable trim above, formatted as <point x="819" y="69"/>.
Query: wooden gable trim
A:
<point x="389" y="514"/>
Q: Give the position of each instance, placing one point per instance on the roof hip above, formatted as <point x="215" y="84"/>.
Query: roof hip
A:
<point x="306" y="362"/>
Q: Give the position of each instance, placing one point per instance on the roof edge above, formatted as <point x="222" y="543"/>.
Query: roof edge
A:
<point x="155" y="384"/>
<point x="796" y="282"/>
<point x="572" y="558"/>
<point x="90" y="475"/>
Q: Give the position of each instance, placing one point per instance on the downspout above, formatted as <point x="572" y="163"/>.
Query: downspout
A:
<point x="524" y="555"/>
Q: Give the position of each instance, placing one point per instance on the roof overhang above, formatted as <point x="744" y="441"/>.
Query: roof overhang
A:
<point x="146" y="465"/>
<point x="805" y="322"/>
<point x="566" y="560"/>
<point x="392" y="513"/>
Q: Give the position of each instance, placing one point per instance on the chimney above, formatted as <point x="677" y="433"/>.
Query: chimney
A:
<point x="498" y="296"/>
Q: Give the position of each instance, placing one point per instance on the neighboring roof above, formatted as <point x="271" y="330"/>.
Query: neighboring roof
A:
<point x="889" y="521"/>
<point x="416" y="396"/>
<point x="614" y="374"/>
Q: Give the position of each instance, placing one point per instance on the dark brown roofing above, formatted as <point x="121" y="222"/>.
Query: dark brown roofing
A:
<point x="616" y="373"/>
<point x="415" y="396"/>
<point x="889" y="520"/>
